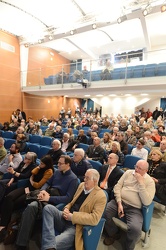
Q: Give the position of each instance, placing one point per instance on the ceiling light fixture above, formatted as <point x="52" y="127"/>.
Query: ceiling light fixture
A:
<point x="94" y="26"/>
<point x="147" y="10"/>
<point x="163" y="8"/>
<point x="39" y="41"/>
<point x="121" y="19"/>
<point x="71" y="32"/>
<point x="50" y="38"/>
<point x="26" y="45"/>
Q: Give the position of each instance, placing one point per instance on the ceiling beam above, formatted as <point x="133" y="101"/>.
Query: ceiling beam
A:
<point x="84" y="50"/>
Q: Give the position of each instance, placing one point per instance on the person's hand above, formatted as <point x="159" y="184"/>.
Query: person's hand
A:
<point x="31" y="180"/>
<point x="9" y="183"/>
<point x="139" y="178"/>
<point x="10" y="157"/>
<point x="155" y="180"/>
<point x="43" y="196"/>
<point x="67" y="215"/>
<point x="10" y="170"/>
<point x="120" y="210"/>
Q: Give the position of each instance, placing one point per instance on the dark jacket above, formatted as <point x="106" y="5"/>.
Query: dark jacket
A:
<point x="55" y="155"/>
<point x="112" y="179"/>
<point x="97" y="154"/>
<point x="80" y="169"/>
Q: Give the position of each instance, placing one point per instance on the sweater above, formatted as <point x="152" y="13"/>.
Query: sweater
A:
<point x="66" y="183"/>
<point x="132" y="193"/>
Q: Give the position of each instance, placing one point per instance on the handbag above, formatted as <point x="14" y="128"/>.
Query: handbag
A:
<point x="32" y="196"/>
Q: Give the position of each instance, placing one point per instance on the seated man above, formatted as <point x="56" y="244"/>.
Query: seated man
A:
<point x="110" y="174"/>
<point x="95" y="152"/>
<point x="67" y="144"/>
<point x="13" y="159"/>
<point x="65" y="181"/>
<point x="86" y="208"/>
<point x="123" y="144"/>
<point x="50" y="130"/>
<point x="134" y="189"/>
<point x="140" y="151"/>
<point x="79" y="165"/>
<point x="56" y="151"/>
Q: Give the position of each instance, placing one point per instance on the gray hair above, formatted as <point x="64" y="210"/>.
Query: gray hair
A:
<point x="58" y="142"/>
<point x="80" y="151"/>
<point x="95" y="174"/>
<point x="32" y="156"/>
<point x="2" y="141"/>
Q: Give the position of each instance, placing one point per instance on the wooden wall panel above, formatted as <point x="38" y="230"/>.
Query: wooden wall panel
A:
<point x="37" y="106"/>
<point x="40" y="58"/>
<point x="10" y="94"/>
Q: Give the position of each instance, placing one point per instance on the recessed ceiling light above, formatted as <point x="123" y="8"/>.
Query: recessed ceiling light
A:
<point x="86" y="95"/>
<point x="144" y="94"/>
<point x="112" y="95"/>
<point x="99" y="95"/>
<point x="127" y="94"/>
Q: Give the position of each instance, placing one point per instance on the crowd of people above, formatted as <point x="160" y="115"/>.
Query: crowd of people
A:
<point x="66" y="175"/>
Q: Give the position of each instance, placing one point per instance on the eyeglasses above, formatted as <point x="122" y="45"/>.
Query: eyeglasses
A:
<point x="61" y="163"/>
<point x="141" y="169"/>
<point x="27" y="158"/>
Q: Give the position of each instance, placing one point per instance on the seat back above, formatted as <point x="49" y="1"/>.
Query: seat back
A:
<point x="95" y="164"/>
<point x="130" y="147"/>
<point x="35" y="139"/>
<point x="8" y="143"/>
<point x="46" y="141"/>
<point x="8" y="134"/>
<point x="43" y="151"/>
<point x="83" y="146"/>
<point x="130" y="161"/>
<point x="33" y="148"/>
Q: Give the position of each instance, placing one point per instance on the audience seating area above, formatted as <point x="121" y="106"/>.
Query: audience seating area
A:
<point x="139" y="71"/>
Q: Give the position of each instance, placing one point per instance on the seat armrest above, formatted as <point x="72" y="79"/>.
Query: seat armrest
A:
<point x="147" y="212"/>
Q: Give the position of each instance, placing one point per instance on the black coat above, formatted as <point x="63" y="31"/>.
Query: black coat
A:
<point x="112" y="179"/>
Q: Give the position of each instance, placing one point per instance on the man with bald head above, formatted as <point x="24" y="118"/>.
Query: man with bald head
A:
<point x="95" y="152"/>
<point x="134" y="189"/>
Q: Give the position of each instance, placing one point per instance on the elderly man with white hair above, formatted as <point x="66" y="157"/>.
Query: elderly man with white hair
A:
<point x="79" y="164"/>
<point x="56" y="151"/>
<point x="86" y="208"/>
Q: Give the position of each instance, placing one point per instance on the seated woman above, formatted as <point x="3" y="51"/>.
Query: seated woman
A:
<point x="117" y="150"/>
<point x="22" y="172"/>
<point x="37" y="130"/>
<point x="106" y="142"/>
<point x="16" y="198"/>
<point x="71" y="134"/>
<point x="157" y="170"/>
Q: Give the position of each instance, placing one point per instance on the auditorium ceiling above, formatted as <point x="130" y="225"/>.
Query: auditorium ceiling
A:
<point x="86" y="29"/>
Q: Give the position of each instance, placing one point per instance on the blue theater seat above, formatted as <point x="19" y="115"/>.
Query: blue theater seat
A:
<point x="151" y="70"/>
<point x="161" y="69"/>
<point x="138" y="71"/>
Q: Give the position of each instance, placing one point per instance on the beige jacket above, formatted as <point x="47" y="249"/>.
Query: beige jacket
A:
<point x="90" y="212"/>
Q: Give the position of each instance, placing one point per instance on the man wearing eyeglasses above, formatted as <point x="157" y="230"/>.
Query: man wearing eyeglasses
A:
<point x="65" y="182"/>
<point x="86" y="208"/>
<point x="134" y="189"/>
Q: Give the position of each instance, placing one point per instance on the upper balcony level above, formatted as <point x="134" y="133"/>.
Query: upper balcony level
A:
<point x="132" y="74"/>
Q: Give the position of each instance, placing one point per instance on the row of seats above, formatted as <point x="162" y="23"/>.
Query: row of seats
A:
<point x="139" y="71"/>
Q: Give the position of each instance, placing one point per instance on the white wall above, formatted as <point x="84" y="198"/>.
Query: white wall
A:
<point x="124" y="105"/>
